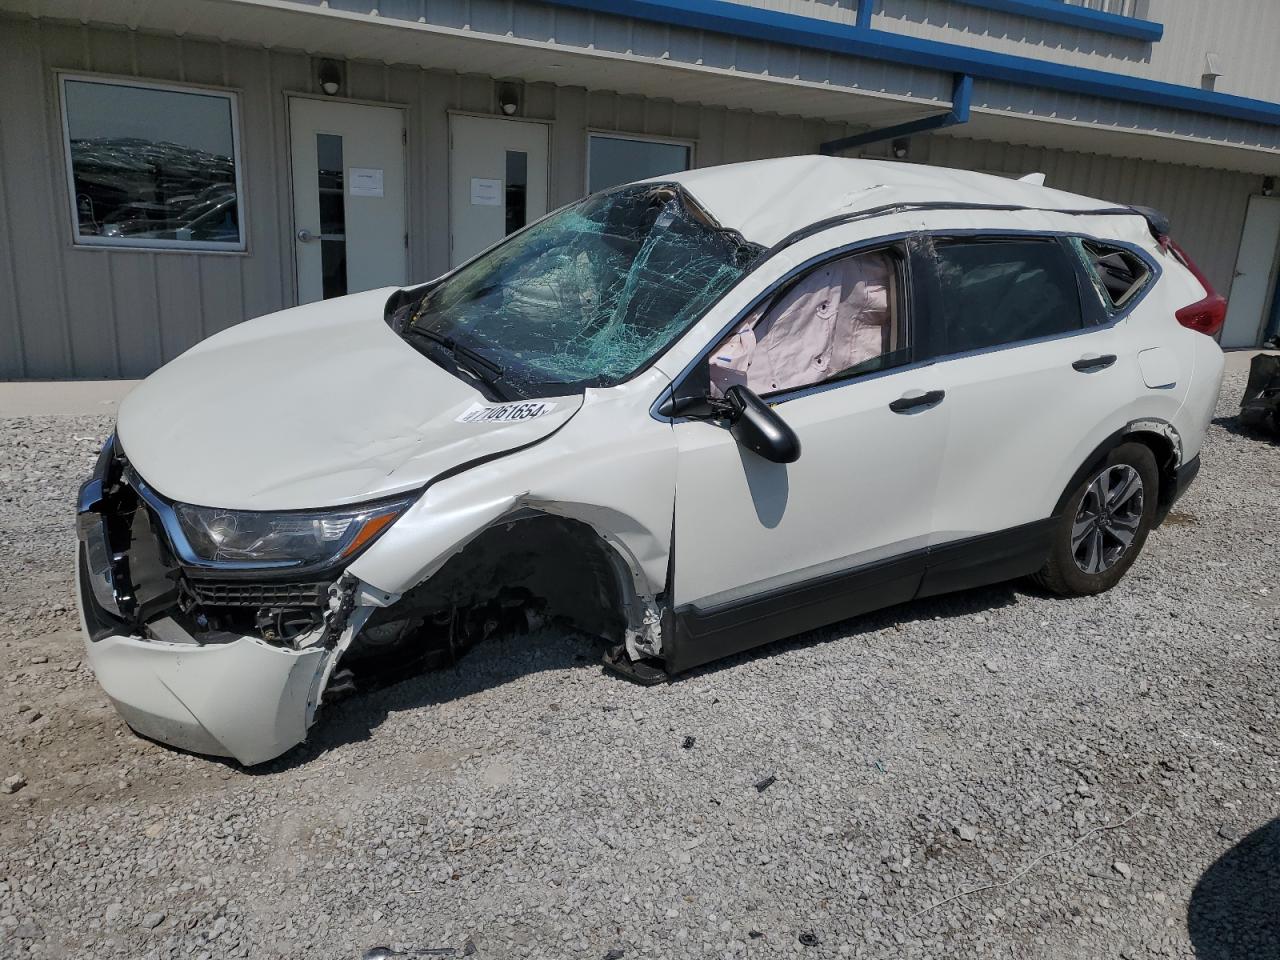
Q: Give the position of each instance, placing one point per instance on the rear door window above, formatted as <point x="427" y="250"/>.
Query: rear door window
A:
<point x="993" y="292"/>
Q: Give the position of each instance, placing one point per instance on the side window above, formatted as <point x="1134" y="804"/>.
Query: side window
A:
<point x="1117" y="274"/>
<point x="841" y="319"/>
<point x="994" y="292"/>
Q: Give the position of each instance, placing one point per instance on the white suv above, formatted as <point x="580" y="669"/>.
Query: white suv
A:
<point x="693" y="415"/>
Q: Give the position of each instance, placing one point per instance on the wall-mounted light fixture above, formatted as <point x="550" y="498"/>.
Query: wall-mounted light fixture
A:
<point x="1268" y="186"/>
<point x="901" y="148"/>
<point x="508" y="99"/>
<point x="330" y="77"/>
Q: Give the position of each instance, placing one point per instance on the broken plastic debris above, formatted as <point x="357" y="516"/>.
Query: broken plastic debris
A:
<point x="614" y="954"/>
<point x="766" y="783"/>
<point x="688" y="743"/>
<point x="809" y="939"/>
<point x="1260" y="407"/>
<point x="386" y="953"/>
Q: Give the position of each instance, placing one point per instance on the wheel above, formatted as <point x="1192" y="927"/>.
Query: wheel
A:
<point x="1104" y="525"/>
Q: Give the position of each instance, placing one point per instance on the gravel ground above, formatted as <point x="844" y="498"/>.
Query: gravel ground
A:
<point x="994" y="773"/>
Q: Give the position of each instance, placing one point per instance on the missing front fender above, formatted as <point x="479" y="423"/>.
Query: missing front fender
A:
<point x="525" y="572"/>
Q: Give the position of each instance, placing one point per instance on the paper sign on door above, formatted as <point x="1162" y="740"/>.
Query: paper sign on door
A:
<point x="486" y="193"/>
<point x="365" y="182"/>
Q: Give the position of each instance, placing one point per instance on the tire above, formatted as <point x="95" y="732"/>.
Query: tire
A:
<point x="1088" y="552"/>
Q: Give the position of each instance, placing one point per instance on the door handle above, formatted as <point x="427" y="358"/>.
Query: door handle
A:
<point x="917" y="400"/>
<point x="305" y="235"/>
<point x="1092" y="361"/>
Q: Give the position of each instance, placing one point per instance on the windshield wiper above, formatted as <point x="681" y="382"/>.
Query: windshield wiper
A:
<point x="474" y="363"/>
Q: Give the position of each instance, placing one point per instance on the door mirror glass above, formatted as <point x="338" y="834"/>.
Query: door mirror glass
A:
<point x="757" y="426"/>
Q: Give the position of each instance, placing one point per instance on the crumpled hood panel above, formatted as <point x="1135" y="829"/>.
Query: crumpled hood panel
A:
<point x="314" y="406"/>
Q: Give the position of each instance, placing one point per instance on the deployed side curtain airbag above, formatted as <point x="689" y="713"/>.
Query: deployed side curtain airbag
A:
<point x="833" y="318"/>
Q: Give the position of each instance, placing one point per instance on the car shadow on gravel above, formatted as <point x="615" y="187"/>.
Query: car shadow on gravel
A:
<point x="1233" y="426"/>
<point x="503" y="660"/>
<point x="966" y="603"/>
<point x="493" y="663"/>
<point x="1235" y="907"/>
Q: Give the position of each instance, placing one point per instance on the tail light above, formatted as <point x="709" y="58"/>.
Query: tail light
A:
<point x="1204" y="316"/>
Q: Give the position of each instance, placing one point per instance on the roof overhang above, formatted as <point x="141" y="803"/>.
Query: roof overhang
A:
<point x="1082" y="137"/>
<point x="279" y="24"/>
<point x="324" y="31"/>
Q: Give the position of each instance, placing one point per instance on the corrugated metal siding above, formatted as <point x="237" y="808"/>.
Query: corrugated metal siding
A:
<point x="68" y="311"/>
<point x="985" y="29"/>
<point x="1242" y="32"/>
<point x="1052" y="104"/>
<point x="1205" y="207"/>
<point x="529" y="20"/>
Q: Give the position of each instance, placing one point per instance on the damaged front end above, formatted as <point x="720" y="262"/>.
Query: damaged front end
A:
<point x="221" y="657"/>
<point x="202" y="648"/>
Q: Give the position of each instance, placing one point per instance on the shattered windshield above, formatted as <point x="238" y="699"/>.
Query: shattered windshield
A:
<point x="586" y="297"/>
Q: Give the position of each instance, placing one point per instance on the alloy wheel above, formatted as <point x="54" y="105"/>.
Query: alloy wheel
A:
<point x="1108" y="519"/>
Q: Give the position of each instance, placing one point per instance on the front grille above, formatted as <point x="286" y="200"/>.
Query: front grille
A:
<point x="230" y="594"/>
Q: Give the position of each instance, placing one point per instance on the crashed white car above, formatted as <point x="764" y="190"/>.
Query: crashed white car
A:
<point x="691" y="415"/>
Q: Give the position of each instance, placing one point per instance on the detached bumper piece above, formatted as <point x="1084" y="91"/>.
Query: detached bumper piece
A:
<point x="1260" y="408"/>
<point x="200" y="664"/>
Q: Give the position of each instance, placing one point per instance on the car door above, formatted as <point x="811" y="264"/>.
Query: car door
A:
<point x="1035" y="379"/>
<point x="764" y="550"/>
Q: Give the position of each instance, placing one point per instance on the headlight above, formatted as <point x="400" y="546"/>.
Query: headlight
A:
<point x="302" y="537"/>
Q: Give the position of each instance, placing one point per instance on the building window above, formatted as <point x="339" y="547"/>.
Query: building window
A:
<point x="613" y="159"/>
<point x="152" y="166"/>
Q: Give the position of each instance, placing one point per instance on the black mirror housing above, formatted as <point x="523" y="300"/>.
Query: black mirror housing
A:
<point x="757" y="426"/>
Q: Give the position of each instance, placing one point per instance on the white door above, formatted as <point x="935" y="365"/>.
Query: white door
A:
<point x="862" y="489"/>
<point x="497" y="180"/>
<point x="1034" y="389"/>
<point x="348" y="197"/>
<point x="1255" y="278"/>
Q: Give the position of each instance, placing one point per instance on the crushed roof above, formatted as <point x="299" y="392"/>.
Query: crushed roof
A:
<point x="766" y="200"/>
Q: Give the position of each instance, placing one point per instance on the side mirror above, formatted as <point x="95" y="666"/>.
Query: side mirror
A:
<point x="756" y="426"/>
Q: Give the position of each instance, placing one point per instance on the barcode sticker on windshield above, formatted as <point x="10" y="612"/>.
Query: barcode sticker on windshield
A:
<point x="505" y="412"/>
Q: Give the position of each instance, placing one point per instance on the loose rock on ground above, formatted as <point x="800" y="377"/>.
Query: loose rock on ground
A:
<point x="462" y="806"/>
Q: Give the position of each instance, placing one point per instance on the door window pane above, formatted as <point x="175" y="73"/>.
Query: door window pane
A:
<point x="517" y="190"/>
<point x="615" y="160"/>
<point x="997" y="292"/>
<point x="333" y="214"/>
<point x="152" y="166"/>
<point x="841" y="319"/>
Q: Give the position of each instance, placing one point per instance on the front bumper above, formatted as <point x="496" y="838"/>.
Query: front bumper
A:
<point x="219" y="690"/>
<point x="240" y="698"/>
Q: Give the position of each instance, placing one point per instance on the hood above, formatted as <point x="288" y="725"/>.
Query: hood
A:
<point x="315" y="406"/>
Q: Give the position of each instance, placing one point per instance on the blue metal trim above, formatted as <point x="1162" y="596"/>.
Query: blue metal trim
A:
<point x="1075" y="16"/>
<point x="865" y="9"/>
<point x="740" y="20"/>
<point x="961" y="96"/>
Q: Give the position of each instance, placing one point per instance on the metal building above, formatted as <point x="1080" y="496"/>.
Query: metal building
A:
<point x="171" y="167"/>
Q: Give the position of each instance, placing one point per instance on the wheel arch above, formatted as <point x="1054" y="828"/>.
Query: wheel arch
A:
<point x="1165" y="444"/>
<point x="558" y="565"/>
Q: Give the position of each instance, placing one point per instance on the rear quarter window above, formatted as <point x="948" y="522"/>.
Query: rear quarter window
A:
<point x="1118" y="275"/>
